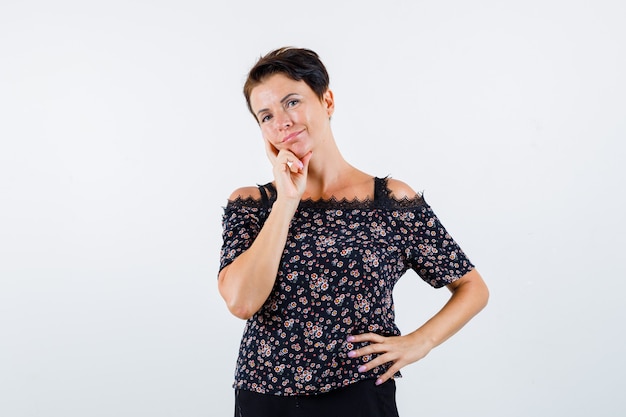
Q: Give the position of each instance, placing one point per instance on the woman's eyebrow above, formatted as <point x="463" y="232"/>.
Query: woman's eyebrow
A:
<point x="287" y="97"/>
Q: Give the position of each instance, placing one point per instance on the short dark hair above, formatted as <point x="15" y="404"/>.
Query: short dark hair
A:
<point x="299" y="64"/>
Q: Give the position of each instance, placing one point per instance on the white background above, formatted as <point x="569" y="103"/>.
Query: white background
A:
<point x="123" y="130"/>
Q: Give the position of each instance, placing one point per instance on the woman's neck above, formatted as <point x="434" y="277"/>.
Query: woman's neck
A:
<point x="330" y="175"/>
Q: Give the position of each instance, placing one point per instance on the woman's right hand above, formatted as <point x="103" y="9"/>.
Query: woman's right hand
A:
<point x="290" y="172"/>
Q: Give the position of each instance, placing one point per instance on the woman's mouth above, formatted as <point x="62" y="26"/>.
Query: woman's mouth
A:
<point x="291" y="136"/>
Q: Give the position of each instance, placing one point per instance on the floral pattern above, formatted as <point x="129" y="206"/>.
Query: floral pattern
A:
<point x="336" y="278"/>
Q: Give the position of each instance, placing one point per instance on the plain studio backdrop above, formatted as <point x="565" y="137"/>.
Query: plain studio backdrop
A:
<point x="123" y="130"/>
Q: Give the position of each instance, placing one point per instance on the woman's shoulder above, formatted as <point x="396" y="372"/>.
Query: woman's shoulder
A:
<point x="400" y="190"/>
<point x="260" y="196"/>
<point x="245" y="193"/>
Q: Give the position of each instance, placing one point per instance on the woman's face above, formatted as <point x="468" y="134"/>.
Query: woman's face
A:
<point x="290" y="114"/>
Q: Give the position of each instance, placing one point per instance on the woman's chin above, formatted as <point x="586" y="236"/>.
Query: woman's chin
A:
<point x="299" y="150"/>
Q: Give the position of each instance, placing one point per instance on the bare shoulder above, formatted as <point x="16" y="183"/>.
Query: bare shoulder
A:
<point x="400" y="189"/>
<point x="245" y="192"/>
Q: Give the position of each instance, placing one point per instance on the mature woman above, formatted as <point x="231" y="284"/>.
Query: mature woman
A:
<point x="310" y="260"/>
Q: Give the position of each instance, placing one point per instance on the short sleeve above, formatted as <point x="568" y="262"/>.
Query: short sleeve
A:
<point x="241" y="222"/>
<point x="430" y="250"/>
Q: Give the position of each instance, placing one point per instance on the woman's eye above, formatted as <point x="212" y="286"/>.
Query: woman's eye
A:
<point x="292" y="103"/>
<point x="265" y="118"/>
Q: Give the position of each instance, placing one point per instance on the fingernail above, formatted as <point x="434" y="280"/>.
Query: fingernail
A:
<point x="350" y="339"/>
<point x="379" y="381"/>
<point x="351" y="354"/>
<point x="363" y="368"/>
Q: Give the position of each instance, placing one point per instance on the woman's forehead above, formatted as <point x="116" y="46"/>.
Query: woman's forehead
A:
<point x="275" y="88"/>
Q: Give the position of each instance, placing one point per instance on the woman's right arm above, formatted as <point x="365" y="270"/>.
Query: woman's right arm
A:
<point x="246" y="283"/>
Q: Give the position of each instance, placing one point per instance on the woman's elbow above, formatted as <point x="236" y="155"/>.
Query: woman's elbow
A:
<point x="240" y="311"/>
<point x="234" y="303"/>
<point x="481" y="292"/>
<point x="473" y="287"/>
<point x="484" y="295"/>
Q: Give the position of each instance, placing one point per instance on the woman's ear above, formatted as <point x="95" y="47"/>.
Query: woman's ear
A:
<point x="328" y="99"/>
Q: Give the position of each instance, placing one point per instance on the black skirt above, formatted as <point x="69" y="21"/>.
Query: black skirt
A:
<point x="361" y="399"/>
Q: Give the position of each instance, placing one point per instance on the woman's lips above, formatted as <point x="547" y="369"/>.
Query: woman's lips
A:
<point x="291" y="136"/>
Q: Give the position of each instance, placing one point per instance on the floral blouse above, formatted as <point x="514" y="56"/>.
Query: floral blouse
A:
<point x="336" y="277"/>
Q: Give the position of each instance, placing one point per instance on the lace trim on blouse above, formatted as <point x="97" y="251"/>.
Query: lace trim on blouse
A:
<point x="382" y="199"/>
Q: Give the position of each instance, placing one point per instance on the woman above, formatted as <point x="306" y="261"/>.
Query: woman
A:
<point x="310" y="261"/>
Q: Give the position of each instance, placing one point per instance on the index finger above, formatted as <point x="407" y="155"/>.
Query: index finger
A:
<point x="365" y="337"/>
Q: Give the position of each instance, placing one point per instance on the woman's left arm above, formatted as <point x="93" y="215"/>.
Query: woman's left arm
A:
<point x="469" y="296"/>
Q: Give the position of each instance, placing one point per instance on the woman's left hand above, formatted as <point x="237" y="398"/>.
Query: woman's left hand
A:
<point x="397" y="350"/>
<point x="469" y="296"/>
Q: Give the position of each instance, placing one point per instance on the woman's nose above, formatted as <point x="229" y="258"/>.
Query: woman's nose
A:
<point x="284" y="120"/>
